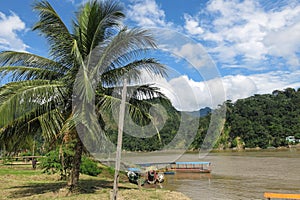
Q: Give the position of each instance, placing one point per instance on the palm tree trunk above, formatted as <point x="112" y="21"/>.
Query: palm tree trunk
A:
<point x="74" y="176"/>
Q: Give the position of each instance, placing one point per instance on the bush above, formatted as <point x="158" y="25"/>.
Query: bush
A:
<point x="55" y="162"/>
<point x="28" y="153"/>
<point x="111" y="170"/>
<point x="7" y="160"/>
<point x="89" y="167"/>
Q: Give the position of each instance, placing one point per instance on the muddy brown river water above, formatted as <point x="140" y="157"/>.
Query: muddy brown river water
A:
<point x="237" y="175"/>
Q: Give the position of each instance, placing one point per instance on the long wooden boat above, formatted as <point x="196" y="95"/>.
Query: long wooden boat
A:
<point x="199" y="167"/>
<point x="171" y="168"/>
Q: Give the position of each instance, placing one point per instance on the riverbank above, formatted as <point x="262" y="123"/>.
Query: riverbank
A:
<point x="21" y="182"/>
<point x="283" y="148"/>
<point x="179" y="151"/>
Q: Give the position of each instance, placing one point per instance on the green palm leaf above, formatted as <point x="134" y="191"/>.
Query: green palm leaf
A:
<point x="55" y="31"/>
<point x="19" y="99"/>
<point x="133" y="71"/>
<point x="93" y="21"/>
<point x="12" y="58"/>
<point x="19" y="73"/>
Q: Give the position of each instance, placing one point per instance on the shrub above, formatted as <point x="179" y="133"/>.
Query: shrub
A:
<point x="56" y="162"/>
<point x="89" y="167"/>
<point x="111" y="170"/>
<point x="7" y="160"/>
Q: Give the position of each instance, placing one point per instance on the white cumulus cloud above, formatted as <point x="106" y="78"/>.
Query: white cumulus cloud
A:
<point x="285" y="43"/>
<point x="147" y="13"/>
<point x="10" y="27"/>
<point x="189" y="95"/>
<point x="192" y="25"/>
<point x="194" y="54"/>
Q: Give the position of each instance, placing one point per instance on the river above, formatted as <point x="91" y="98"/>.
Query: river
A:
<point x="239" y="175"/>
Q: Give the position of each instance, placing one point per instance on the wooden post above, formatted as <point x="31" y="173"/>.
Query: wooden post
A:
<point x="120" y="137"/>
<point x="33" y="148"/>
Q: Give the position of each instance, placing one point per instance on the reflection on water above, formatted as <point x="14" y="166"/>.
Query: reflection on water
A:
<point x="240" y="175"/>
<point x="189" y="176"/>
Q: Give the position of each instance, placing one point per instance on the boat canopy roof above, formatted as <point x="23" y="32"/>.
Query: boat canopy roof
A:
<point x="134" y="169"/>
<point x="192" y="163"/>
<point x="150" y="164"/>
<point x="179" y="163"/>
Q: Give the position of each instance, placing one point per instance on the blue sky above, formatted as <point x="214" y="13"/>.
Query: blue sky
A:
<point x="255" y="45"/>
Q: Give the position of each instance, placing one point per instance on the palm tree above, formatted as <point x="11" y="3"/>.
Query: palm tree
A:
<point x="39" y="97"/>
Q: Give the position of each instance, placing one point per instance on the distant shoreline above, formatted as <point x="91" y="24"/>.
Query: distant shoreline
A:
<point x="296" y="146"/>
<point x="283" y="148"/>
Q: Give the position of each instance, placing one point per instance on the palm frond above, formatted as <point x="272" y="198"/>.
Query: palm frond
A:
<point x="83" y="87"/>
<point x="138" y="100"/>
<point x="12" y="58"/>
<point x="15" y="135"/>
<point x="141" y="119"/>
<point x="55" y="31"/>
<point x="109" y="105"/>
<point x="133" y="71"/>
<point x="90" y="132"/>
<point x="145" y="92"/>
<point x="110" y="51"/>
<point x="51" y="123"/>
<point x="139" y="92"/>
<point x="68" y="128"/>
<point x="19" y="73"/>
<point x="20" y="99"/>
<point x="92" y="22"/>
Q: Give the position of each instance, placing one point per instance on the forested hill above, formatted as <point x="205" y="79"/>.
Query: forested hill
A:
<point x="264" y="120"/>
<point x="258" y="121"/>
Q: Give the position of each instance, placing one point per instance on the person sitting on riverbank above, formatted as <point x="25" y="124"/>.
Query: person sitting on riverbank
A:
<point x="151" y="177"/>
<point x="34" y="162"/>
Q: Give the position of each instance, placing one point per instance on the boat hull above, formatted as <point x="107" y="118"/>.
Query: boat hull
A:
<point x="191" y="170"/>
<point x="190" y="167"/>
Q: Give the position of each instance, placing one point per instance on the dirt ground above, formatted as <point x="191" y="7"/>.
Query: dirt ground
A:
<point x="21" y="182"/>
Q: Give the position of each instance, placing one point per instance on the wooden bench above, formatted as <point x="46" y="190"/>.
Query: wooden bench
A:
<point x="22" y="160"/>
<point x="281" y="196"/>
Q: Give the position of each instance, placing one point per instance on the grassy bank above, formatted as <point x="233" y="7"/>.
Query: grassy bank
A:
<point x="21" y="182"/>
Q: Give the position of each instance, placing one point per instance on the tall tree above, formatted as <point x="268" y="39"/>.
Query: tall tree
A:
<point x="40" y="92"/>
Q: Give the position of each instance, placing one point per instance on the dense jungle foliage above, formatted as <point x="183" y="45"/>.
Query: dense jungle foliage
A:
<point x="264" y="120"/>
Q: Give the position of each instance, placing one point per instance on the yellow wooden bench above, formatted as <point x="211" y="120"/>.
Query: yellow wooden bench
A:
<point x="281" y="196"/>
